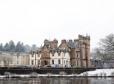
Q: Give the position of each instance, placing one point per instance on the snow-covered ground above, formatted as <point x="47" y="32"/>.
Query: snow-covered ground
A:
<point x="99" y="72"/>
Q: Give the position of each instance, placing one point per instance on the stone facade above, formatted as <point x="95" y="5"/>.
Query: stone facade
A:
<point x="80" y="52"/>
<point x="35" y="59"/>
<point x="70" y="53"/>
<point x="12" y="59"/>
<point x="45" y="56"/>
<point x="59" y="58"/>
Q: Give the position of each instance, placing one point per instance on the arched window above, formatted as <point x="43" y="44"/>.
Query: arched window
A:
<point x="59" y="61"/>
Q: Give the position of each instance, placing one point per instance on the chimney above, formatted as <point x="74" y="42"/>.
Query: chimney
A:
<point x="63" y="41"/>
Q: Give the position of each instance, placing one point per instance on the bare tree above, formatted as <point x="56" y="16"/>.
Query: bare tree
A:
<point x="106" y="48"/>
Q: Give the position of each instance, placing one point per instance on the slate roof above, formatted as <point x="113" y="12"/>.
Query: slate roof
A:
<point x="72" y="44"/>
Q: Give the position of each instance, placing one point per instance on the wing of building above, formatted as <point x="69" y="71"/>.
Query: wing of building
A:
<point x="13" y="59"/>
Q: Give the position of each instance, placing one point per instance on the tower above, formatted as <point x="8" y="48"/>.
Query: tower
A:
<point x="84" y="42"/>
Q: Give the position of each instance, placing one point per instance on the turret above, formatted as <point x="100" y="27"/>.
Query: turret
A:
<point x="84" y="50"/>
<point x="54" y="44"/>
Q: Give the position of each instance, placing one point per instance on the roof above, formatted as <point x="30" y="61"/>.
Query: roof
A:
<point x="72" y="44"/>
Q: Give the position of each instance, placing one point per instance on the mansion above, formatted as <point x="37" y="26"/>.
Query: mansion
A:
<point x="69" y="53"/>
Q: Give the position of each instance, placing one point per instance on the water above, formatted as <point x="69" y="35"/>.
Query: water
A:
<point x="56" y="81"/>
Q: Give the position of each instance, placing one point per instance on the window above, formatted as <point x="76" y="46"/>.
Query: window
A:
<point x="37" y="62"/>
<point x="59" y="61"/>
<point x="64" y="61"/>
<point x="64" y="54"/>
<point x="52" y="61"/>
<point x="77" y="62"/>
<point x="59" y="54"/>
<point x="38" y="55"/>
<point x="77" y="55"/>
<point x="45" y="62"/>
<point x="32" y="62"/>
<point x="52" y="54"/>
<point x="32" y="55"/>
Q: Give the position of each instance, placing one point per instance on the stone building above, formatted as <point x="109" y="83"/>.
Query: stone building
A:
<point x="59" y="58"/>
<point x="45" y="56"/>
<point x="13" y="59"/>
<point x="5" y="59"/>
<point x="59" y="54"/>
<point x="80" y="51"/>
<point x="35" y="58"/>
<point x="70" y="53"/>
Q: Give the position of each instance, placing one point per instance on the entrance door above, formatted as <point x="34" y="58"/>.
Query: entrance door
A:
<point x="45" y="62"/>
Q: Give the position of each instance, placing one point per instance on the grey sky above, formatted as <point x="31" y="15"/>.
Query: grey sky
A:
<point x="31" y="21"/>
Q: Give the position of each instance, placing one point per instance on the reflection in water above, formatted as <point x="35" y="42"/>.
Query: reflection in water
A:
<point x="56" y="81"/>
<point x="101" y="81"/>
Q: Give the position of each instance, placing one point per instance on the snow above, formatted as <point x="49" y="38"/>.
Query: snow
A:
<point x="99" y="72"/>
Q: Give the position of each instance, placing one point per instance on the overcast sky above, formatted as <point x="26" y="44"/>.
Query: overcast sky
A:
<point x="31" y="21"/>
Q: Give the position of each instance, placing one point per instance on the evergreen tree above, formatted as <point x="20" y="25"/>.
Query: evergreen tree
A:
<point x="11" y="46"/>
<point x="1" y="47"/>
<point x="34" y="47"/>
<point x="6" y="47"/>
<point x="27" y="48"/>
<point x="19" y="47"/>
